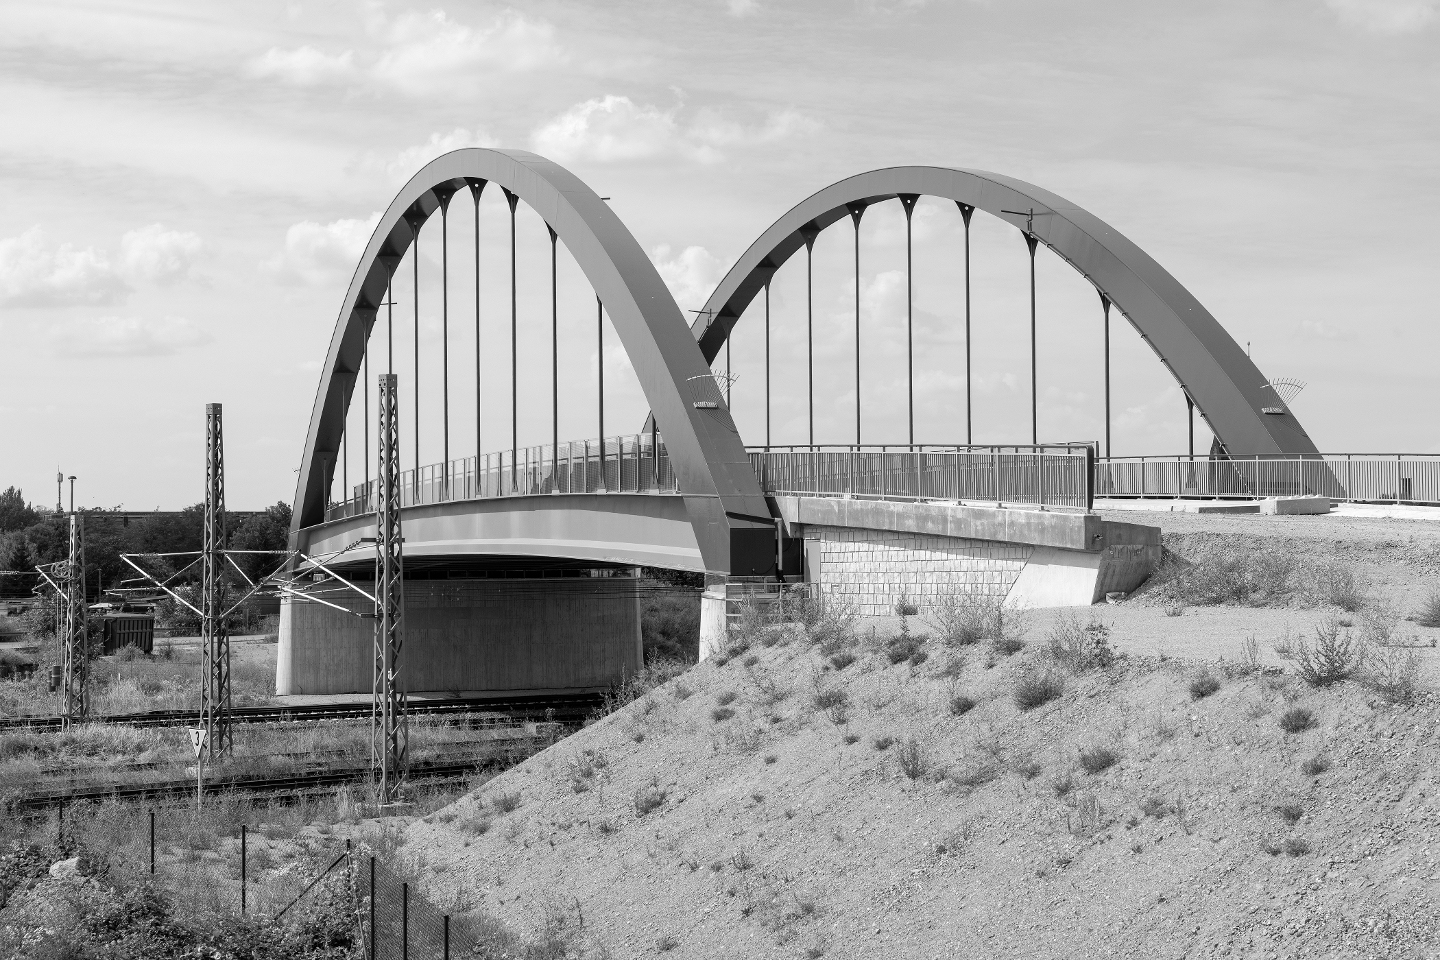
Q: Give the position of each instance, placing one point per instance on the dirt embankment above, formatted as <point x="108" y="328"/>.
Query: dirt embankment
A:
<point x="787" y="804"/>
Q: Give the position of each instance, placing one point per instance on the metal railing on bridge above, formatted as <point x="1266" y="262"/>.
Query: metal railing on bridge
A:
<point x="636" y="463"/>
<point x="1057" y="475"/>
<point x="1357" y="477"/>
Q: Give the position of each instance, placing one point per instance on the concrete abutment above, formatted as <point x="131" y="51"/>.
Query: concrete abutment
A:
<point x="470" y="636"/>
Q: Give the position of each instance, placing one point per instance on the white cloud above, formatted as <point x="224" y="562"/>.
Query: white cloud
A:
<point x="125" y="337"/>
<point x="158" y="255"/>
<point x="1386" y="16"/>
<point x="411" y="159"/>
<point x="303" y="67"/>
<point x="1322" y="330"/>
<point x="429" y="52"/>
<point x="35" y="274"/>
<point x="615" y="128"/>
<point x="318" y="254"/>
<point x="691" y="275"/>
<point x="742" y="8"/>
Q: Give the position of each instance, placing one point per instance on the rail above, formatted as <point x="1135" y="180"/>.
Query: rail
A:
<point x="1352" y="477"/>
<point x="1048" y="475"/>
<point x="634" y="463"/>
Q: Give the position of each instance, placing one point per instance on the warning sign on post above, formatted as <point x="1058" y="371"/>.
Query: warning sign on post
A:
<point x="197" y="739"/>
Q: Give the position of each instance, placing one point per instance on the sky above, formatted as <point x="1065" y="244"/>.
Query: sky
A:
<point x="189" y="185"/>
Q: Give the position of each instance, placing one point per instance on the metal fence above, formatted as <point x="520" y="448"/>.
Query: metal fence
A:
<point x="635" y="463"/>
<point x="1059" y="475"/>
<point x="1361" y="478"/>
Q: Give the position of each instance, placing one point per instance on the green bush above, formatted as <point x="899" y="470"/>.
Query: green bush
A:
<point x="1429" y="615"/>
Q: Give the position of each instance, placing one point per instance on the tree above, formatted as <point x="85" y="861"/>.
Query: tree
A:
<point x="267" y="531"/>
<point x="15" y="513"/>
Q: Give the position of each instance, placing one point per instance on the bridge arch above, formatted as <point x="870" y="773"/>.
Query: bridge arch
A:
<point x="1211" y="368"/>
<point x="722" y="496"/>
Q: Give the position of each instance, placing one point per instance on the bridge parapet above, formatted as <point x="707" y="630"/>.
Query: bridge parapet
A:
<point x="636" y="463"/>
<point x="1059" y="475"/>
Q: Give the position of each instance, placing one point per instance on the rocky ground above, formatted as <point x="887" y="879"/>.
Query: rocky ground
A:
<point x="786" y="803"/>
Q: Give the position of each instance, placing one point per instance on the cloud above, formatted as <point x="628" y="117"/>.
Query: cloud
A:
<point x="429" y="52"/>
<point x="158" y="255"/>
<point x="303" y="67"/>
<point x="35" y="274"/>
<point x="616" y="129"/>
<point x="1386" y="16"/>
<point x="125" y="337"/>
<point x="1322" y="330"/>
<point x="411" y="159"/>
<point x="691" y="275"/>
<point x="317" y="254"/>
<point x="742" y="8"/>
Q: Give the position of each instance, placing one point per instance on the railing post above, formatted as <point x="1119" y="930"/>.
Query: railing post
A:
<point x="1397" y="479"/>
<point x="995" y="463"/>
<point x="1040" y="463"/>
<point x="919" y="494"/>
<point x="1091" y="465"/>
<point x="1142" y="478"/>
<point x="850" y="464"/>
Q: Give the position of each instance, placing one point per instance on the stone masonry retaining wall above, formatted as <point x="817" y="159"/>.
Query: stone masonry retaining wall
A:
<point x="874" y="569"/>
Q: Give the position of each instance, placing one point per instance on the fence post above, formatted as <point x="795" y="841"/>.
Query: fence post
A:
<point x="405" y="921"/>
<point x="60" y="824"/>
<point x="152" y="843"/>
<point x="1090" y="467"/>
<point x="919" y="493"/>
<point x="446" y="920"/>
<point x="995" y="464"/>
<point x="242" y="869"/>
<point x="1040" y="462"/>
<point x="372" y="909"/>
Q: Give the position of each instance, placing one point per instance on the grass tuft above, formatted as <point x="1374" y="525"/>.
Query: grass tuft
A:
<point x="1429" y="614"/>
<point x="1316" y="765"/>
<point x="1204" y="684"/>
<point x="960" y="705"/>
<point x="913" y="758"/>
<point x="1034" y="688"/>
<point x="1098" y="758"/>
<point x="1297" y="720"/>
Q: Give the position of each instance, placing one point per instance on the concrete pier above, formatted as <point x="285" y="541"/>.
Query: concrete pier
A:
<point x="470" y="636"/>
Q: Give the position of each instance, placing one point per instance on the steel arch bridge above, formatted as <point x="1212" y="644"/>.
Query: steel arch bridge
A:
<point x="721" y="522"/>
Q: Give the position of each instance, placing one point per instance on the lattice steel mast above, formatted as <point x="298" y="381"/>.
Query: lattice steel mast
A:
<point x="389" y="735"/>
<point x="215" y="691"/>
<point x="77" y="647"/>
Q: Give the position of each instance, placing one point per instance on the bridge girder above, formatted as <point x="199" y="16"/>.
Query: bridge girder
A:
<point x="1211" y="368"/>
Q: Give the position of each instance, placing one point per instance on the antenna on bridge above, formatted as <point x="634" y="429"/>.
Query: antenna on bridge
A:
<point x="1286" y="388"/>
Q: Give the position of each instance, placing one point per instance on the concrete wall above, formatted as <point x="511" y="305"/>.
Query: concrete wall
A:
<point x="874" y="554"/>
<point x="472" y="636"/>
<point x="873" y="569"/>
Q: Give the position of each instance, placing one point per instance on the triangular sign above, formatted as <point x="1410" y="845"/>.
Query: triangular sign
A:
<point x="197" y="739"/>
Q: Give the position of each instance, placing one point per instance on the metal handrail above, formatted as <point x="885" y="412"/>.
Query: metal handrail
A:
<point x="632" y="463"/>
<point x="1347" y="477"/>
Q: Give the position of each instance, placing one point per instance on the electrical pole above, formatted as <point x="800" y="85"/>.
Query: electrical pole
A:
<point x="389" y="737"/>
<point x="215" y="692"/>
<point x="77" y="646"/>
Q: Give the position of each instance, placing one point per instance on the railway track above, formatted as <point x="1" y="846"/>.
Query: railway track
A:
<point x="561" y="708"/>
<point x="293" y="785"/>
